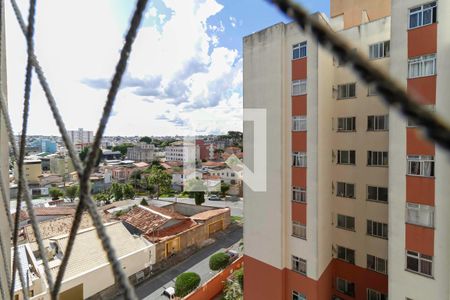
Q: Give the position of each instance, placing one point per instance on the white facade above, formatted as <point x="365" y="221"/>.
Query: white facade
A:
<point x="81" y="137"/>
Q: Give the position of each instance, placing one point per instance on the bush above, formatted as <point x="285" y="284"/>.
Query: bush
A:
<point x="239" y="275"/>
<point x="186" y="283"/>
<point x="144" y="202"/>
<point x="219" y="261"/>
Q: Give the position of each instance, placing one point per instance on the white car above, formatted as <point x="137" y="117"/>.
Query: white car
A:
<point x="169" y="292"/>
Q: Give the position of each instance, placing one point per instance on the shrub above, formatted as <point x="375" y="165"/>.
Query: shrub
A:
<point x="239" y="275"/>
<point x="186" y="283"/>
<point x="144" y="202"/>
<point x="219" y="261"/>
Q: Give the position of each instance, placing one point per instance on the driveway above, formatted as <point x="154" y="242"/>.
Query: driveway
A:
<point x="198" y="263"/>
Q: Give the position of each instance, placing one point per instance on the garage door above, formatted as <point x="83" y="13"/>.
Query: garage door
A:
<point x="216" y="226"/>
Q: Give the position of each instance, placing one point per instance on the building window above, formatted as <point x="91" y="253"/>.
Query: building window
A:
<point x="377" y="158"/>
<point x="376" y="193"/>
<point x="420" y="165"/>
<point x="346" y="190"/>
<point x="298" y="87"/>
<point x="346" y="254"/>
<point x="379" y="50"/>
<point x="298" y="194"/>
<point x="346" y="124"/>
<point x="376" y="264"/>
<point x="298" y="296"/>
<point x="345" y="222"/>
<point x="299" y="230"/>
<point x="299" y="123"/>
<point x="377" y="123"/>
<point x="372" y="90"/>
<point x="419" y="263"/>
<point x="299" y="159"/>
<point x="377" y="229"/>
<point x="423" y="15"/>
<point x="298" y="265"/>
<point x="375" y="295"/>
<point x="346" y="90"/>
<point x="422" y="66"/>
<point x="345" y="286"/>
<point x="346" y="157"/>
<point x="420" y="214"/>
<point x="299" y="50"/>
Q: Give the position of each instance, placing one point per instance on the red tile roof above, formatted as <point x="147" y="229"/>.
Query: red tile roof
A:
<point x="54" y="211"/>
<point x="173" y="230"/>
<point x="203" y="216"/>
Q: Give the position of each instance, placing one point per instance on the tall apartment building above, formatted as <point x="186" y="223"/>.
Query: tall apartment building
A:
<point x="355" y="203"/>
<point x="180" y="151"/>
<point x="81" y="138"/>
<point x="141" y="152"/>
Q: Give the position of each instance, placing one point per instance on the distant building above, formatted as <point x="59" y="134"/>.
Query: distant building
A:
<point x="45" y="145"/>
<point x="81" y="138"/>
<point x="111" y="155"/>
<point x="32" y="169"/>
<point x="61" y="165"/>
<point x="179" y="151"/>
<point x="141" y="152"/>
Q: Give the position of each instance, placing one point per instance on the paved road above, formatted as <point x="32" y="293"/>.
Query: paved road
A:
<point x="199" y="263"/>
<point x="236" y="207"/>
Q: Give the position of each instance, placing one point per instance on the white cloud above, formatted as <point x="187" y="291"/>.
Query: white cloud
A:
<point x="178" y="78"/>
<point x="233" y="21"/>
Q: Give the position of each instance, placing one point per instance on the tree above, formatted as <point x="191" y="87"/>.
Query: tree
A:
<point x="72" y="192"/>
<point x="135" y="177"/>
<point x="224" y="188"/>
<point x="144" y="202"/>
<point x="219" y="261"/>
<point x="128" y="191"/>
<point x="84" y="154"/>
<point x="55" y="193"/>
<point x="146" y="139"/>
<point x="117" y="191"/>
<point x="160" y="179"/>
<point x="186" y="283"/>
<point x="148" y="186"/>
<point x="199" y="198"/>
<point x="122" y="148"/>
<point x="106" y="197"/>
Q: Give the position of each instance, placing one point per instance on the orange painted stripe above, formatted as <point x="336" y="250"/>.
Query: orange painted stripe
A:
<point x="299" y="68"/>
<point x="422" y="40"/>
<point x="423" y="88"/>
<point x="420" y="190"/>
<point x="299" y="212"/>
<point x="299" y="176"/>
<point x="416" y="144"/>
<point x="299" y="141"/>
<point x="299" y="105"/>
<point x="419" y="239"/>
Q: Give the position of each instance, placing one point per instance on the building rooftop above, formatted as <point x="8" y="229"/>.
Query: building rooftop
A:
<point x="203" y="216"/>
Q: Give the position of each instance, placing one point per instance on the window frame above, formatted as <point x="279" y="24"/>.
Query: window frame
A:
<point x="419" y="10"/>
<point x="346" y="121"/>
<point x="421" y="160"/>
<point x="379" y="295"/>
<point x="376" y="226"/>
<point x="378" y="194"/>
<point x="298" y="295"/>
<point x="302" y="193"/>
<point x="349" y="254"/>
<point x="417" y="207"/>
<point x="380" y="50"/>
<point x="377" y="261"/>
<point x="372" y="161"/>
<point x="299" y="123"/>
<point x="302" y="83"/>
<point x="301" y="227"/>
<point x="348" y="154"/>
<point x="300" y="46"/>
<point x="345" y="194"/>
<point x="347" y="88"/>
<point x="420" y="258"/>
<point x="300" y="262"/>
<point x="299" y="159"/>
<point x="347" y="284"/>
<point x="376" y="122"/>
<point x="421" y="61"/>
<point x="346" y="222"/>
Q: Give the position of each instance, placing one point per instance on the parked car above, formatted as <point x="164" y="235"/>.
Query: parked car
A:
<point x="169" y="292"/>
<point x="214" y="198"/>
<point x="232" y="254"/>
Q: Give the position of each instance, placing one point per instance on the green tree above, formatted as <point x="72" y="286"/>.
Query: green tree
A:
<point x="106" y="197"/>
<point x="148" y="186"/>
<point x="199" y="198"/>
<point x="224" y="188"/>
<point x="84" y="154"/>
<point x="128" y="191"/>
<point x="55" y="193"/>
<point x="135" y="177"/>
<point x="161" y="180"/>
<point x="144" y="202"/>
<point x="72" y="192"/>
<point x="146" y="139"/>
<point x="186" y="283"/>
<point x="219" y="261"/>
<point x="122" y="148"/>
<point x="117" y="191"/>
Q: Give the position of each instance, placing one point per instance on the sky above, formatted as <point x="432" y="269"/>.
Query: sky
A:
<point x="184" y="74"/>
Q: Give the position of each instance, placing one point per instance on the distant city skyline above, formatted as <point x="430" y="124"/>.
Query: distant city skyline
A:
<point x="184" y="76"/>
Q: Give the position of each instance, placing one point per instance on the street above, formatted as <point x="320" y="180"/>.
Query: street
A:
<point x="198" y="263"/>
